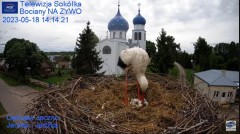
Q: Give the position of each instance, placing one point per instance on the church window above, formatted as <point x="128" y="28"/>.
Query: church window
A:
<point x="120" y="35"/>
<point x="114" y="34"/>
<point x="106" y="50"/>
<point x="139" y="36"/>
<point x="135" y="36"/>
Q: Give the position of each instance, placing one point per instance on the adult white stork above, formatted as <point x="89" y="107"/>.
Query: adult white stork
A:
<point x="136" y="60"/>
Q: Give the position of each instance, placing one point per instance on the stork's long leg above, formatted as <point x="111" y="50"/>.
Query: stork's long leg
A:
<point x="125" y="91"/>
<point x="142" y="97"/>
<point x="138" y="90"/>
<point x="140" y="93"/>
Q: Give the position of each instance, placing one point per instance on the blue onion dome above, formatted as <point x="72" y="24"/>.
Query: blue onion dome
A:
<point x="139" y="20"/>
<point x="118" y="23"/>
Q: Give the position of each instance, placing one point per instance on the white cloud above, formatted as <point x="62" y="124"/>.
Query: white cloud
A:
<point x="186" y="20"/>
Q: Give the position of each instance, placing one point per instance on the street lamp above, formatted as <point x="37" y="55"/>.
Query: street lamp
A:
<point x="193" y="66"/>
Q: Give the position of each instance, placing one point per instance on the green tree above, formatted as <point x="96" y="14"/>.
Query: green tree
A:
<point x="150" y="48"/>
<point x="86" y="60"/>
<point x="184" y="59"/>
<point x="165" y="56"/>
<point x="229" y="53"/>
<point x="10" y="43"/>
<point x="216" y="61"/>
<point x="202" y="52"/>
<point x="1" y="56"/>
<point x="21" y="55"/>
<point x="233" y="64"/>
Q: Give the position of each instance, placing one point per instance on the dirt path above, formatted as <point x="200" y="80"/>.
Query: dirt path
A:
<point x="182" y="74"/>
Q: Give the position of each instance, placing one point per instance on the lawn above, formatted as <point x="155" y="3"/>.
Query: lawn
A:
<point x="2" y="110"/>
<point x="9" y="80"/>
<point x="189" y="75"/>
<point x="58" y="80"/>
<point x="4" y="122"/>
<point x="174" y="72"/>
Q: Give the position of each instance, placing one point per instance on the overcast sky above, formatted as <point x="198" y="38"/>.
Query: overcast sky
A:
<point x="185" y="20"/>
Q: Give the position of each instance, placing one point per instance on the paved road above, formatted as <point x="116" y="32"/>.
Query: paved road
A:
<point x="14" y="99"/>
<point x="182" y="74"/>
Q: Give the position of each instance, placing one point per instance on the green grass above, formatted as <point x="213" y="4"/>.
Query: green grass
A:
<point x="174" y="72"/>
<point x="58" y="80"/>
<point x="36" y="87"/>
<point x="4" y="122"/>
<point x="2" y="110"/>
<point x="189" y="75"/>
<point x="9" y="80"/>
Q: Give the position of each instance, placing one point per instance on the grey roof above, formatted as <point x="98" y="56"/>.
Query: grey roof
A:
<point x="219" y="77"/>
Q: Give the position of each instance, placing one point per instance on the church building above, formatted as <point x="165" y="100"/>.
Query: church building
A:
<point x="110" y="48"/>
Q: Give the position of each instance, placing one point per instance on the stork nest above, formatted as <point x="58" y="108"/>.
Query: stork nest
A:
<point x="95" y="105"/>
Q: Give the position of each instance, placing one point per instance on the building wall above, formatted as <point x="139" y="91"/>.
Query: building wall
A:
<point x="118" y="35"/>
<point x="110" y="60"/>
<point x="139" y="29"/>
<point x="203" y="88"/>
<point x="64" y="65"/>
<point x="121" y="47"/>
<point x="221" y="91"/>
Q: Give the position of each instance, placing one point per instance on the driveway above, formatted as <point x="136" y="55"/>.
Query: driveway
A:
<point x="14" y="99"/>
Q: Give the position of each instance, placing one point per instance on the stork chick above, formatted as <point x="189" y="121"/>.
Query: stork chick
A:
<point x="136" y="60"/>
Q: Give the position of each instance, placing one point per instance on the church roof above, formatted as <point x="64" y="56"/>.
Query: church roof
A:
<point x="139" y="19"/>
<point x="118" y="23"/>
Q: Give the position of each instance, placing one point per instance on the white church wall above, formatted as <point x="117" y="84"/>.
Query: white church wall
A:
<point x="139" y="27"/>
<point x="107" y="59"/>
<point x="110" y="60"/>
<point x="118" y="35"/>
<point x="121" y="47"/>
<point x="141" y="42"/>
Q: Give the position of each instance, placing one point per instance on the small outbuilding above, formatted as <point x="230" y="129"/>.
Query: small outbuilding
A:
<point x="218" y="85"/>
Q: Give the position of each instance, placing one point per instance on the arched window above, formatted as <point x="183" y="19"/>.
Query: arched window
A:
<point x="139" y="36"/>
<point x="120" y="35"/>
<point x="114" y="34"/>
<point x="135" y="36"/>
<point x="106" y="50"/>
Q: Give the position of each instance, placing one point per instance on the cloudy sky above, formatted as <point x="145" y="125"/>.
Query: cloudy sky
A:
<point x="186" y="20"/>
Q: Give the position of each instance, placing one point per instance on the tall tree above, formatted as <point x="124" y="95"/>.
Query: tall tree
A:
<point x="165" y="56"/>
<point x="229" y="53"/>
<point x="21" y="55"/>
<point x="216" y="62"/>
<point x="150" y="48"/>
<point x="202" y="52"/>
<point x="86" y="60"/>
<point x="184" y="59"/>
<point x="10" y="43"/>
